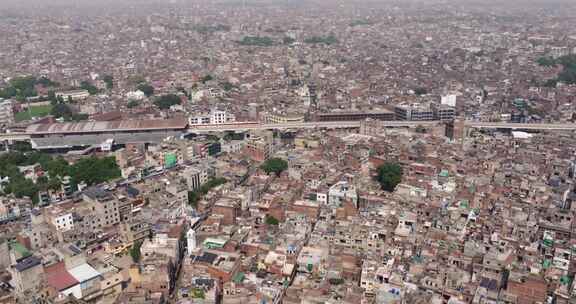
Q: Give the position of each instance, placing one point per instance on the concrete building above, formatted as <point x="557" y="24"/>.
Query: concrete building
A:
<point x="384" y="115"/>
<point x="198" y="175"/>
<point x="27" y="275"/>
<point x="63" y="221"/>
<point x="215" y="117"/>
<point x="282" y="118"/>
<point x="6" y="112"/>
<point x="341" y="192"/>
<point x="258" y="148"/>
<point x="443" y="112"/>
<point x="413" y="112"/>
<point x="135" y="95"/>
<point x="104" y="205"/>
<point x="73" y="94"/>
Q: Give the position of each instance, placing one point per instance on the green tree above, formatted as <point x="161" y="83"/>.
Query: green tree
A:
<point x="85" y="85"/>
<point x="256" y="41"/>
<point x="109" y="81"/>
<point x="206" y="78"/>
<point x="135" y="252"/>
<point x="95" y="170"/>
<point x="52" y="97"/>
<point x="271" y="221"/>
<point x="195" y="196"/>
<point x="61" y="110"/>
<point x="288" y="40"/>
<point x="328" y="40"/>
<point x="420" y="91"/>
<point x="227" y="86"/>
<point x="132" y="104"/>
<point x="389" y="175"/>
<point x="546" y="61"/>
<point x="147" y="89"/>
<point x="21" y="146"/>
<point x="275" y="165"/>
<point x="8" y="92"/>
<point x="166" y="101"/>
<point x="420" y="129"/>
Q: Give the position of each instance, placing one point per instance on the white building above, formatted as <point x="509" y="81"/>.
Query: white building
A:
<point x="191" y="241"/>
<point x="218" y="117"/>
<point x="233" y="146"/>
<point x="63" y="222"/>
<point x="449" y="100"/>
<point x="342" y="191"/>
<point x="215" y="117"/>
<point x="135" y="95"/>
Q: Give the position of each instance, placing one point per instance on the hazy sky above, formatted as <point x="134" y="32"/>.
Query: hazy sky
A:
<point x="23" y="7"/>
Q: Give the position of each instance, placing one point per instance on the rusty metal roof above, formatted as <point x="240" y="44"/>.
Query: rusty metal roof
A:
<point x="106" y="126"/>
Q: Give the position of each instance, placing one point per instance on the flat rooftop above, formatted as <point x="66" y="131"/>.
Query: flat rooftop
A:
<point x="370" y="112"/>
<point x="106" y="126"/>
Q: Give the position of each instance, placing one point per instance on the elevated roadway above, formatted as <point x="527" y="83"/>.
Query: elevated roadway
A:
<point x="304" y="125"/>
<point x="329" y="125"/>
<point x="522" y="126"/>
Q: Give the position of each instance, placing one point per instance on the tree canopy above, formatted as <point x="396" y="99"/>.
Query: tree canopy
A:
<point x="274" y="165"/>
<point x="86" y="85"/>
<point x="91" y="170"/>
<point x="330" y="39"/>
<point x="135" y="252"/>
<point x="206" y="78"/>
<point x="195" y="196"/>
<point x="389" y="176"/>
<point x="132" y="104"/>
<point x="568" y="73"/>
<point x="288" y="40"/>
<point x="256" y="41"/>
<point x="420" y="91"/>
<point x="24" y="87"/>
<point x="147" y="89"/>
<point x="109" y="81"/>
<point x="271" y="221"/>
<point x="546" y="61"/>
<point x="166" y="101"/>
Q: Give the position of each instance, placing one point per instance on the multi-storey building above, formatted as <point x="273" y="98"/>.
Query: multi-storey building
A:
<point x="443" y="112"/>
<point x="104" y="205"/>
<point x="215" y="117"/>
<point x="6" y="112"/>
<point x="413" y="112"/>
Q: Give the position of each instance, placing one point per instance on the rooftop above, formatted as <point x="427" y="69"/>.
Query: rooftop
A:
<point x="106" y="126"/>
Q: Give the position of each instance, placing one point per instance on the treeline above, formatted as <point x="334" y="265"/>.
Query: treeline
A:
<point x="568" y="73"/>
<point x="90" y="170"/>
<point x="21" y="88"/>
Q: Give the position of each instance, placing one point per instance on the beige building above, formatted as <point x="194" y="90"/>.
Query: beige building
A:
<point x="104" y="206"/>
<point x="6" y="112"/>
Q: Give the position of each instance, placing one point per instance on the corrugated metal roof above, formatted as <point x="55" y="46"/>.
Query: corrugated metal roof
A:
<point x="106" y="126"/>
<point x="58" y="277"/>
<point x="83" y="273"/>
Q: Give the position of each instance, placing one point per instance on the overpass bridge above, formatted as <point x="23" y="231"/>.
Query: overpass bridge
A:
<point x="521" y="126"/>
<point x="328" y="125"/>
<point x="303" y="125"/>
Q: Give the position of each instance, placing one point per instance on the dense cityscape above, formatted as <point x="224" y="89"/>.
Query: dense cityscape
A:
<point x="287" y="152"/>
